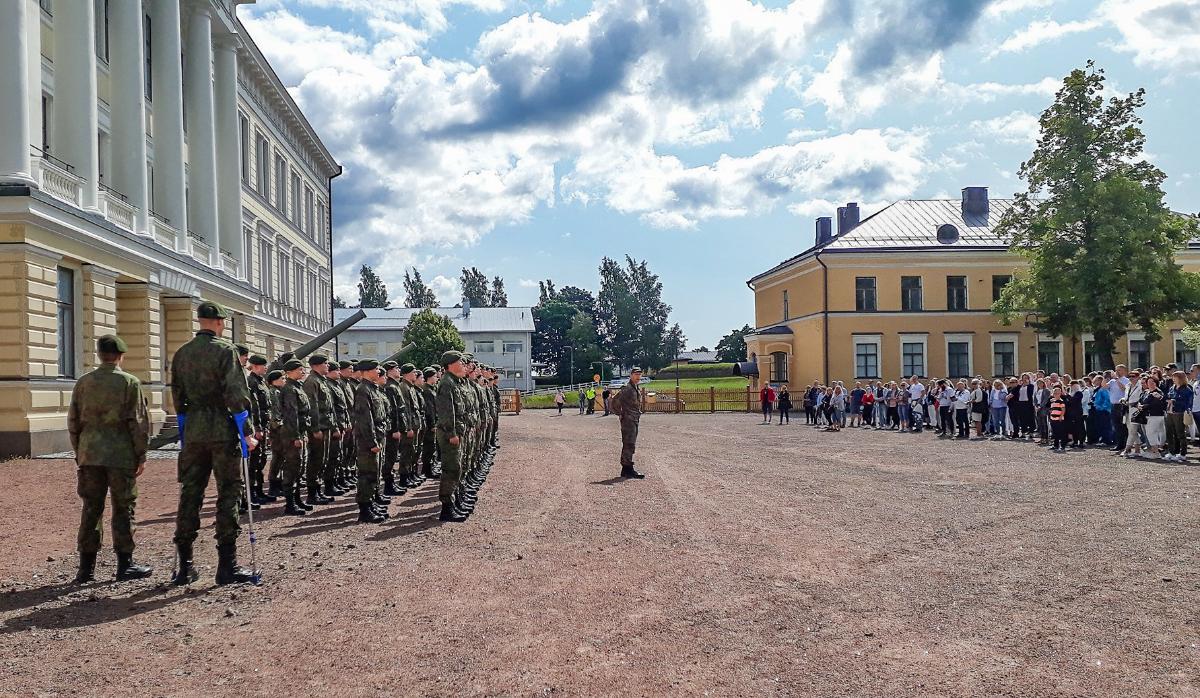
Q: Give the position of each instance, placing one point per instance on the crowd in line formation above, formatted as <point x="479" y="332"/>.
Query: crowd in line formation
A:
<point x="375" y="428"/>
<point x="1136" y="414"/>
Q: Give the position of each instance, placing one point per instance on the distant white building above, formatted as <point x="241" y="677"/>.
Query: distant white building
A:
<point x="500" y="337"/>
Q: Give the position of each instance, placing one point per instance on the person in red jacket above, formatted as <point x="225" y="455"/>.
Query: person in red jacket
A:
<point x="767" y="397"/>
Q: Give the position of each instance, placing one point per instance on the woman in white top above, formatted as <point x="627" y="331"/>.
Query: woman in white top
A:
<point x="1133" y="395"/>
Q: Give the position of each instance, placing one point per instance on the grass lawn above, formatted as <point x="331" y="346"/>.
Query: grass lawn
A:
<point x="534" y="402"/>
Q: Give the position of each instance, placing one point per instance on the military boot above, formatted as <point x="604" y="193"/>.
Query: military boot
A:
<point x="128" y="569"/>
<point x="449" y="514"/>
<point x="291" y="508"/>
<point x="228" y="571"/>
<point x="382" y="500"/>
<point x="186" y="574"/>
<point x="275" y="489"/>
<point x="627" y="471"/>
<point x="382" y="511"/>
<point x="316" y="498"/>
<point x="332" y="490"/>
<point x="368" y="515"/>
<point x="87" y="568"/>
<point x="263" y="497"/>
<point x="390" y="489"/>
<point x="299" y="500"/>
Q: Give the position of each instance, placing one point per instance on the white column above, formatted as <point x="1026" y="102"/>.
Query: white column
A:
<point x="33" y="52"/>
<point x="127" y="63"/>
<point x="201" y="133"/>
<point x="166" y="85"/>
<point x="15" y="164"/>
<point x="76" y="113"/>
<point x="229" y="179"/>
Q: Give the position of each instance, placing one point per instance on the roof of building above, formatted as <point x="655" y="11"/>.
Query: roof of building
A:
<point x="479" y="319"/>
<point x="916" y="225"/>
<point x="698" y="357"/>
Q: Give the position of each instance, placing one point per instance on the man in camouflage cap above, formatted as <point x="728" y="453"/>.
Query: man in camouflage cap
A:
<point x="372" y="419"/>
<point x="400" y="428"/>
<point x="341" y="421"/>
<point x="260" y="414"/>
<point x="452" y="429"/>
<point x="295" y="424"/>
<point x="316" y="386"/>
<point x="349" y="385"/>
<point x="415" y="420"/>
<point x="109" y="427"/>
<point x="210" y="396"/>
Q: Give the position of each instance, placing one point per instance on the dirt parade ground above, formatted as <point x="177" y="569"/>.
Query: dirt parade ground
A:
<point x="752" y="560"/>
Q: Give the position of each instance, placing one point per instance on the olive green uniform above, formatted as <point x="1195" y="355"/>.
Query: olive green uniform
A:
<point x="409" y="450"/>
<point x="371" y="420"/>
<point x="320" y="397"/>
<point x="295" y="423"/>
<point x="109" y="428"/>
<point x="341" y="421"/>
<point x="208" y="388"/>
<point x="452" y="420"/>
<point x="428" y="442"/>
<point x="628" y="406"/>
<point x="260" y="414"/>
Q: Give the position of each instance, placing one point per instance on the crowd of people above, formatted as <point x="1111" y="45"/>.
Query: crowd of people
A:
<point x="1149" y="413"/>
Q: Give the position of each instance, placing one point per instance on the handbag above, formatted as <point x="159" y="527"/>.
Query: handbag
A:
<point x="1138" y="415"/>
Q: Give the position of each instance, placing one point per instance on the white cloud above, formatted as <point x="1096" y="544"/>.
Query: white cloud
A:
<point x="446" y="290"/>
<point x="527" y="283"/>
<point x="1162" y="34"/>
<point x="1041" y="32"/>
<point x="1017" y="127"/>
<point x="1007" y="7"/>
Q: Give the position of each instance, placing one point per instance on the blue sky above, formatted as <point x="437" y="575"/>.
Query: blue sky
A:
<point x="530" y="138"/>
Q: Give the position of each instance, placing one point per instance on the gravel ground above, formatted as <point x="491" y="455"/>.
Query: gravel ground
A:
<point x="753" y="560"/>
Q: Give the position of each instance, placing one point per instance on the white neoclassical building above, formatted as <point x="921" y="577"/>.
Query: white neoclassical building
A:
<point x="149" y="158"/>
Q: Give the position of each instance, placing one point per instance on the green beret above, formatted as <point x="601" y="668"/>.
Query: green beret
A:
<point x="209" y="310"/>
<point x="274" y="376"/>
<point x="317" y="359"/>
<point x="450" y="357"/>
<point x="366" y="365"/>
<point x="257" y="360"/>
<point x="111" y="344"/>
<point x="243" y="350"/>
<point x="635" y="369"/>
<point x="407" y="369"/>
<point x="292" y="365"/>
<point x="430" y="372"/>
<point x="344" y="364"/>
<point x="388" y="365"/>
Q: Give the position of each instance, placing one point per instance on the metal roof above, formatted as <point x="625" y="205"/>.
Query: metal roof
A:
<point x="914" y="224"/>
<point x="698" y="356"/>
<point x="479" y="320"/>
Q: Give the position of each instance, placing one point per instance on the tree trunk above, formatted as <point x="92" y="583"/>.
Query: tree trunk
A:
<point x="1103" y="344"/>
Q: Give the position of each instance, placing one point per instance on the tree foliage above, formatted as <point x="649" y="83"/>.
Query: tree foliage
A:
<point x="498" y="298"/>
<point x="631" y="317"/>
<point x="1094" y="226"/>
<point x="552" y="322"/>
<point x="582" y="335"/>
<point x="338" y="302"/>
<point x="372" y="292"/>
<point x="417" y="293"/>
<point x="732" y="347"/>
<point x="432" y="334"/>
<point x="474" y="286"/>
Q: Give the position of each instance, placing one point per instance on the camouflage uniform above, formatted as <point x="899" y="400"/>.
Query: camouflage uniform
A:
<point x="399" y="423"/>
<point x="349" y="388"/>
<point x="109" y="428"/>
<point x="341" y="421"/>
<point x="320" y="398"/>
<point x="371" y="420"/>
<point x="409" y="450"/>
<point x="428" y="442"/>
<point x="208" y="387"/>
<point x="494" y="391"/>
<point x="628" y="406"/>
<point x="452" y="420"/>
<point x="295" y="423"/>
<point x="274" y="475"/>
<point x="260" y="414"/>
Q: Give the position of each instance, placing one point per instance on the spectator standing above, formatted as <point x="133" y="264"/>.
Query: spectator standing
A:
<point x="1075" y="415"/>
<point x="1155" y="405"/>
<point x="979" y="406"/>
<point x="559" y="399"/>
<point x="605" y="396"/>
<point x="1179" y="403"/>
<point x="962" y="410"/>
<point x="998" y="403"/>
<point x="1134" y="416"/>
<point x="1118" y="384"/>
<point x="1041" y="411"/>
<point x="868" y="407"/>
<point x="1101" y="414"/>
<point x="1057" y="418"/>
<point x="785" y="404"/>
<point x="766" y="398"/>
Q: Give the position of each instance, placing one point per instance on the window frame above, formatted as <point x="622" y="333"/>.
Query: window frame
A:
<point x="906" y="369"/>
<point x="1177" y="336"/>
<point x="786" y="305"/>
<point x="1059" y="350"/>
<point x="1015" y="341"/>
<point x="281" y="183"/>
<point x="960" y="338"/>
<point x="875" y="341"/>
<point x="147" y="59"/>
<point x="1141" y="338"/>
<point x="67" y="322"/>
<point x="996" y="290"/>
<point x="506" y="343"/>
<point x="906" y="304"/>
<point x="779" y="366"/>
<point x="484" y="346"/>
<point x="951" y="295"/>
<point x="244" y="136"/>
<point x="860" y="298"/>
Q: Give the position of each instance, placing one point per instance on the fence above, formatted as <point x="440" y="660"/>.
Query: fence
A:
<point x="675" y="400"/>
<point x="510" y="401"/>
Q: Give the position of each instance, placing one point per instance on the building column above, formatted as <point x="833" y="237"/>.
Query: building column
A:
<point x="179" y="325"/>
<point x="229" y="166"/>
<point x="15" y="163"/>
<point x="98" y="291"/>
<point x="28" y="312"/>
<point x="139" y="323"/>
<point x="33" y="53"/>
<point x="76" y="114"/>
<point x="166" y="86"/>
<point x="129" y="106"/>
<point x="202" y="135"/>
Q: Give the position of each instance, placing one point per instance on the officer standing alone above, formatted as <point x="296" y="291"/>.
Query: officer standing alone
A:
<point x="628" y="407"/>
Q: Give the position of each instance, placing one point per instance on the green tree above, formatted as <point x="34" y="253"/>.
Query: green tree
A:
<point x="372" y="292"/>
<point x="631" y="316"/>
<point x="581" y="298"/>
<point x="582" y="335"/>
<point x="546" y="292"/>
<point x="474" y="287"/>
<point x="432" y="334"/>
<point x="499" y="299"/>
<point x="338" y="302"/>
<point x="1094" y="226"/>
<point x="732" y="346"/>
<point x="416" y="293"/>
<point x="552" y="322"/>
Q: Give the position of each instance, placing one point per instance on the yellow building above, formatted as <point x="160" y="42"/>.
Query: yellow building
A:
<point x="150" y="158"/>
<point x="908" y="291"/>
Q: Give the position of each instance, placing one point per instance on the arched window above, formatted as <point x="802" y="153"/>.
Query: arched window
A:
<point x="779" y="367"/>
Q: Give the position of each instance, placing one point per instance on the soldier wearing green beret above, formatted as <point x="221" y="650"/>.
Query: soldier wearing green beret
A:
<point x="295" y="425"/>
<point x="413" y="417"/>
<point x="452" y="429"/>
<point x="321" y="432"/>
<point x="372" y="421"/>
<point x="275" y="382"/>
<point x="211" y="400"/>
<point x="341" y="422"/>
<point x="109" y="428"/>
<point x="494" y="391"/>
<point x="400" y="428"/>
<point x="627" y="405"/>
<point x="349" y="386"/>
<point x="260" y="414"/>
<point x="428" y="442"/>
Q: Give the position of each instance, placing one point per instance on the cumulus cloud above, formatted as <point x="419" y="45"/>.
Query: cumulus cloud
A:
<point x="446" y="290"/>
<point x="1041" y="32"/>
<point x="1017" y="127"/>
<point x="1162" y="34"/>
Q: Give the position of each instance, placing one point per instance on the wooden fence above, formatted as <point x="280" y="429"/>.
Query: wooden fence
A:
<point x="677" y="401"/>
<point x="510" y="401"/>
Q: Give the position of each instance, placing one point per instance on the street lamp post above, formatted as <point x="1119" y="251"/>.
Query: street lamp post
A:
<point x="572" y="350"/>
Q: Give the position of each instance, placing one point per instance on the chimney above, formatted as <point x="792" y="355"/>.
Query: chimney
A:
<point x="824" y="230"/>
<point x="848" y="218"/>
<point x="975" y="201"/>
<point x="466" y="307"/>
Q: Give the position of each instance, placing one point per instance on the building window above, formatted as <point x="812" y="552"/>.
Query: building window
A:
<point x="1139" y="353"/>
<point x="779" y="367"/>
<point x="999" y="281"/>
<point x="244" y="132"/>
<point x="485" y="347"/>
<point x="295" y="217"/>
<point x="264" y="268"/>
<point x="1185" y="356"/>
<point x="912" y="358"/>
<point x="956" y="293"/>
<point x="958" y="359"/>
<point x="280" y="184"/>
<point x="102" y="30"/>
<point x="248" y="247"/>
<point x="47" y="105"/>
<point x="264" y="165"/>
<point x="864" y="294"/>
<point x="66" y="322"/>
<point x="1049" y="356"/>
<point x="1004" y="358"/>
<point x="513" y="347"/>
<point x="300" y="297"/>
<point x="866" y="359"/>
<point x="285" y="273"/>
<point x="148" y="88"/>
<point x="368" y="349"/>
<point x="786" y="311"/>
<point x="309" y="214"/>
<point x="910" y="294"/>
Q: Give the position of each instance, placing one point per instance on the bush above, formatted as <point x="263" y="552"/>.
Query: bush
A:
<point x="695" y="371"/>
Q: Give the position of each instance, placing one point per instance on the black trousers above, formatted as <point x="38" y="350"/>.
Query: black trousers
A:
<point x="1058" y="429"/>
